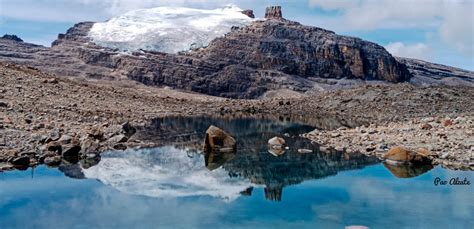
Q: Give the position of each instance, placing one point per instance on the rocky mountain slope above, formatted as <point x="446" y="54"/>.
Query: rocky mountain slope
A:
<point x="267" y="55"/>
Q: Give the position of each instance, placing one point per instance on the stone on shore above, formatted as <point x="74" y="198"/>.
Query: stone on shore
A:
<point x="71" y="151"/>
<point x="52" y="161"/>
<point x="22" y="161"/>
<point x="401" y="156"/>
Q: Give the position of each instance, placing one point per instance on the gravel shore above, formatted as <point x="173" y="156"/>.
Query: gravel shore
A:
<point x="40" y="111"/>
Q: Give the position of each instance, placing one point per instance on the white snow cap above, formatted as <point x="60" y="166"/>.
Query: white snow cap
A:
<point x="165" y="172"/>
<point x="167" y="29"/>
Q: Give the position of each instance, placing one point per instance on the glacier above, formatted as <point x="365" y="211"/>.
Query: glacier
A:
<point x="165" y="172"/>
<point x="167" y="29"/>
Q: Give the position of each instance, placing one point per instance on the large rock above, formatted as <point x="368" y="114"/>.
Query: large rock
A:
<point x="276" y="142"/>
<point x="71" y="151"/>
<point x="276" y="146"/>
<point x="401" y="156"/>
<point x="273" y="12"/>
<point x="23" y="161"/>
<point x="218" y="140"/>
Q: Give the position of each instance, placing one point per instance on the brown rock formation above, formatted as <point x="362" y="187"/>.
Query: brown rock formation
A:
<point x="273" y="12"/>
<point x="218" y="140"/>
<point x="401" y="156"/>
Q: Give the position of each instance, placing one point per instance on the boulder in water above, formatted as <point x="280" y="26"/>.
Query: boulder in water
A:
<point x="218" y="140"/>
<point x="401" y="156"/>
<point x="276" y="142"/>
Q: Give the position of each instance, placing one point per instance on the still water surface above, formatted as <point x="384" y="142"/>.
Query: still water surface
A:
<point x="178" y="186"/>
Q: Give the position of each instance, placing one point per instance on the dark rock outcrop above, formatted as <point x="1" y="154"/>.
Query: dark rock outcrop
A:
<point x="11" y="37"/>
<point x="249" y="13"/>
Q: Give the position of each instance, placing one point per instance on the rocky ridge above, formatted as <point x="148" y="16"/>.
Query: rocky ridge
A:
<point x="268" y="55"/>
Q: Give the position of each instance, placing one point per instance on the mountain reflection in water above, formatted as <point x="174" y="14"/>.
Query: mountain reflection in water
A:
<point x="177" y="185"/>
<point x="180" y="168"/>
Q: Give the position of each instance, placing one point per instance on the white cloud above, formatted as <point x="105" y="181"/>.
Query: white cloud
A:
<point x="417" y="51"/>
<point x="453" y="19"/>
<point x="82" y="10"/>
<point x="457" y="30"/>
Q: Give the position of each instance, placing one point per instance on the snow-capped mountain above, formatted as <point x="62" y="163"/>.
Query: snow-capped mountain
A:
<point x="167" y="29"/>
<point x="165" y="172"/>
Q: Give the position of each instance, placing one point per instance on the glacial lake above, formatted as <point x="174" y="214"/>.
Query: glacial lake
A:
<point x="177" y="185"/>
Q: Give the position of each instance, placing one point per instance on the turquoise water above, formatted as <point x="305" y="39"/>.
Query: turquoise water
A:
<point x="179" y="186"/>
<point x="371" y="197"/>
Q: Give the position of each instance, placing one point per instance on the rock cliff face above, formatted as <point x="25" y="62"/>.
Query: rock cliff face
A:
<point x="269" y="54"/>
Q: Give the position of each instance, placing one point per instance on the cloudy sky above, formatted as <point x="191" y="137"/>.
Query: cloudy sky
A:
<point x="440" y="31"/>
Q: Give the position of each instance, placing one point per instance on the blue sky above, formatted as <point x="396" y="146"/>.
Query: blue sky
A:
<point x="439" y="31"/>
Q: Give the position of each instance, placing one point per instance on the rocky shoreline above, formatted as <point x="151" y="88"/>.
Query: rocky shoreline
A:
<point x="448" y="141"/>
<point x="45" y="119"/>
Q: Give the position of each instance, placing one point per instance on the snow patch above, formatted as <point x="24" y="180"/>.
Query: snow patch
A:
<point x="165" y="172"/>
<point x="167" y="29"/>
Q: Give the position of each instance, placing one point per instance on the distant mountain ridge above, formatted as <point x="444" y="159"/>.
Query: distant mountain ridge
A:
<point x="266" y="55"/>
